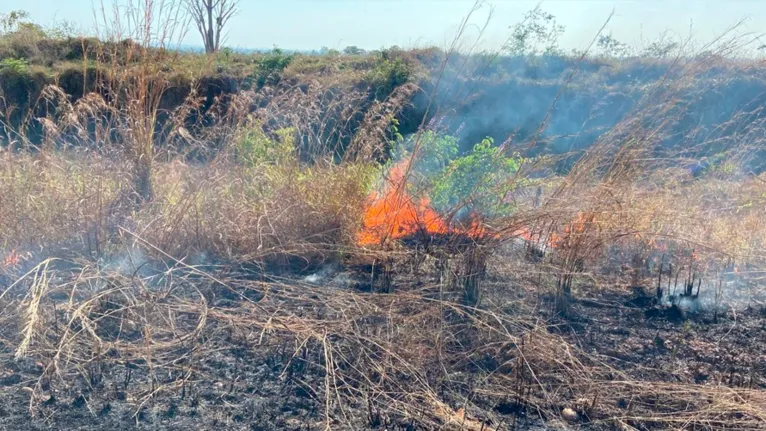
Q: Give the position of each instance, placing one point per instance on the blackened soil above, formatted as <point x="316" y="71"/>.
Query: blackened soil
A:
<point x="229" y="390"/>
<point x="242" y="385"/>
<point x="670" y="343"/>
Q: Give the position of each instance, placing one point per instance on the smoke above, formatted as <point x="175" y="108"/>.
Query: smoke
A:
<point x="322" y="276"/>
<point x="736" y="292"/>
<point x="331" y="276"/>
<point x="514" y="96"/>
<point x="130" y="261"/>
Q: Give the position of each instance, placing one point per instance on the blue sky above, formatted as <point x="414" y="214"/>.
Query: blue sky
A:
<point x="371" y="24"/>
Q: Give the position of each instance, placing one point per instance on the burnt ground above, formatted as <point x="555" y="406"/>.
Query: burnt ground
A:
<point x="240" y="384"/>
<point x="670" y="344"/>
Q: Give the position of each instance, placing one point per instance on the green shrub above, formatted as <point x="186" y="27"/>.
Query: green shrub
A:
<point x="255" y="148"/>
<point x="479" y="179"/>
<point x="270" y="67"/>
<point x="435" y="152"/>
<point x="13" y="66"/>
<point x="388" y="74"/>
<point x="25" y="39"/>
<point x="476" y="180"/>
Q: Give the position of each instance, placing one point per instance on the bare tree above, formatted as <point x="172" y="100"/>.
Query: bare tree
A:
<point x="211" y="16"/>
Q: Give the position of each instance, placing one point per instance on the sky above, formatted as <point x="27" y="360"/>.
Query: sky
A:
<point x="373" y="24"/>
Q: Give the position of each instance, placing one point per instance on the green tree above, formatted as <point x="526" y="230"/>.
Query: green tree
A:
<point x="611" y="47"/>
<point x="10" y="22"/>
<point x="537" y="34"/>
<point x="353" y="50"/>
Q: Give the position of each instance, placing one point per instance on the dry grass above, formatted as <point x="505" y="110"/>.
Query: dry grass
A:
<point x="366" y="358"/>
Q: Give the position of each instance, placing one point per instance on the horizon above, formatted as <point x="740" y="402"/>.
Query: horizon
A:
<point x="368" y="24"/>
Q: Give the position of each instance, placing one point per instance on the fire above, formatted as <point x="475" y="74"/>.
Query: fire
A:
<point x="574" y="229"/>
<point x="539" y="238"/>
<point x="555" y="239"/>
<point x="393" y="214"/>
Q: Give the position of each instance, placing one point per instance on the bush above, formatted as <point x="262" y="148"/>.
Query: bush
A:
<point x="265" y="206"/>
<point x="24" y="41"/>
<point x="270" y="67"/>
<point x="473" y="181"/>
<point x="435" y="151"/>
<point x="255" y="148"/>
<point x="387" y="75"/>
<point x="480" y="180"/>
<point x="14" y="66"/>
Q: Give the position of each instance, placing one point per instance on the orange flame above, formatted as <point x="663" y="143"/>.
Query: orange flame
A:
<point x="555" y="239"/>
<point x="395" y="215"/>
<point x="540" y="238"/>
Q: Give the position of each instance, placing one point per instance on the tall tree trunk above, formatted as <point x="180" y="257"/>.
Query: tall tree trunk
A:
<point x="210" y="43"/>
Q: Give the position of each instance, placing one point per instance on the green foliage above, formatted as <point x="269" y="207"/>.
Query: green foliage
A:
<point x="434" y="152"/>
<point x="726" y="169"/>
<point x="722" y="167"/>
<point x="481" y="179"/>
<point x="537" y="34"/>
<point x="14" y="66"/>
<point x="396" y="135"/>
<point x="17" y="82"/>
<point x="388" y="74"/>
<point x="270" y="67"/>
<point x="255" y="148"/>
<point x="477" y="180"/>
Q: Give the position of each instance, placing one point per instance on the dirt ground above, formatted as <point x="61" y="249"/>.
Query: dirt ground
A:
<point x="238" y="385"/>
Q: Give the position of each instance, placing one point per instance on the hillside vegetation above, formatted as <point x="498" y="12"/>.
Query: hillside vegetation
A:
<point x="490" y="95"/>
